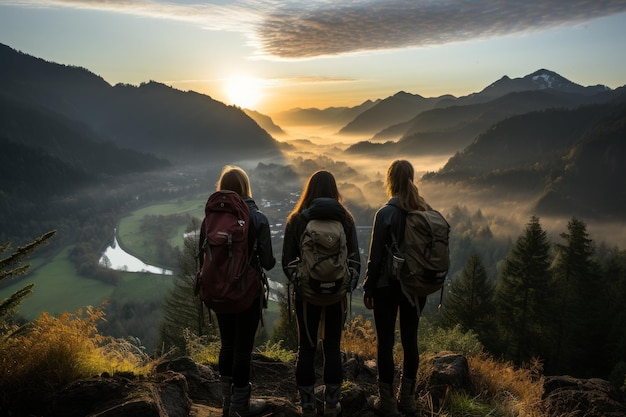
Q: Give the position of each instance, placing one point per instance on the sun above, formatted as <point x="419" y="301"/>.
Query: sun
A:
<point x="244" y="92"/>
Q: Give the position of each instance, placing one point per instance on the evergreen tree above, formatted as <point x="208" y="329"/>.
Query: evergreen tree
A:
<point x="469" y="301"/>
<point x="13" y="266"/>
<point x="577" y="290"/>
<point x="182" y="309"/>
<point x="285" y="329"/>
<point x="612" y="348"/>
<point x="521" y="295"/>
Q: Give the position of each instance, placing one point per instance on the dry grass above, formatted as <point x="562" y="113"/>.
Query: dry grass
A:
<point x="516" y="391"/>
<point x="359" y="336"/>
<point x="59" y="350"/>
<point x="501" y="388"/>
<point x="54" y="351"/>
<point x="202" y="349"/>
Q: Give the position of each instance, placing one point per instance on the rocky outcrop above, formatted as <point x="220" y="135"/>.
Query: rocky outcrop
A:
<point x="564" y="395"/>
<point x="163" y="395"/>
<point x="181" y="388"/>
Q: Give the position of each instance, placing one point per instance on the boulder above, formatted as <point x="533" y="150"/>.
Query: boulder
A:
<point x="181" y="387"/>
<point x="123" y="395"/>
<point x="565" y="395"/>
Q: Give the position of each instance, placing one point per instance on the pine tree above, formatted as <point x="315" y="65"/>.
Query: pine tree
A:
<point x="182" y="309"/>
<point x="469" y="301"/>
<point x="285" y="329"/>
<point x="521" y="294"/>
<point x="612" y="347"/>
<point x="11" y="267"/>
<point x="577" y="290"/>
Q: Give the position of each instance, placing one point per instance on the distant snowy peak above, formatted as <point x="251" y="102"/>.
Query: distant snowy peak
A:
<point x="542" y="79"/>
<point x="548" y="79"/>
<point x="545" y="79"/>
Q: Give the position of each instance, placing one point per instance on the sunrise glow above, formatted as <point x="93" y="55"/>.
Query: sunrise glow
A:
<point x="245" y="92"/>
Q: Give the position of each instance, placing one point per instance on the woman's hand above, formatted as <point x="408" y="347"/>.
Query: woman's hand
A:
<point x="368" y="301"/>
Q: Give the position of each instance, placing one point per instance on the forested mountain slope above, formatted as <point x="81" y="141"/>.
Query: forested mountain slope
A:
<point x="181" y="126"/>
<point x="571" y="159"/>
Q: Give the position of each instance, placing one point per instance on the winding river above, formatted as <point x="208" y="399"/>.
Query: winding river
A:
<point x="114" y="257"/>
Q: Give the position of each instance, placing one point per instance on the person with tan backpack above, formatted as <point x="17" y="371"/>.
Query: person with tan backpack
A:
<point x="388" y="296"/>
<point x="322" y="262"/>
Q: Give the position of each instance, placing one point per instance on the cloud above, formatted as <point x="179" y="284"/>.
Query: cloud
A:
<point x="335" y="28"/>
<point x="305" y="29"/>
<point x="217" y="15"/>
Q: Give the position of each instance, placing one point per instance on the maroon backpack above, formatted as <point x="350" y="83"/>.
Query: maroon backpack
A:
<point x="226" y="282"/>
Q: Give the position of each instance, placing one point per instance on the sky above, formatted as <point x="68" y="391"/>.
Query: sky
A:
<point x="275" y="55"/>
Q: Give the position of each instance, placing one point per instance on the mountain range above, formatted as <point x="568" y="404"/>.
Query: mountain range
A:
<point x="540" y="131"/>
<point x="183" y="127"/>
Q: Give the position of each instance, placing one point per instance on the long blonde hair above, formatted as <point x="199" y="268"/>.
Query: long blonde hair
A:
<point x="234" y="179"/>
<point x="399" y="183"/>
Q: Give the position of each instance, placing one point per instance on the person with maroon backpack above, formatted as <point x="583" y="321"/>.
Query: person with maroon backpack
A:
<point x="235" y="249"/>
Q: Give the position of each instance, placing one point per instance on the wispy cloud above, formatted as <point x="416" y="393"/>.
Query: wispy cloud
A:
<point x="305" y="29"/>
<point x="338" y="28"/>
<point x="216" y="15"/>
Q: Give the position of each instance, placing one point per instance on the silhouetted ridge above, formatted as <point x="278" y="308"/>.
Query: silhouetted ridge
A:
<point x="181" y="126"/>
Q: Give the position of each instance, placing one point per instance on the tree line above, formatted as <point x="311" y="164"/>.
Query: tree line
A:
<point x="559" y="303"/>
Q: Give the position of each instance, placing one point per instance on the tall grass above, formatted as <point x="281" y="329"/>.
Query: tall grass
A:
<point x="512" y="390"/>
<point x="359" y="337"/>
<point x="500" y="388"/>
<point x="54" y="351"/>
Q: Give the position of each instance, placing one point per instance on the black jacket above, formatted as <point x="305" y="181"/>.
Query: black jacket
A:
<point x="389" y="219"/>
<point x="320" y="208"/>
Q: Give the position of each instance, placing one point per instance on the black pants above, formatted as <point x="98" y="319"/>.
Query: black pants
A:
<point x="388" y="302"/>
<point x="331" y="342"/>
<point x="238" y="332"/>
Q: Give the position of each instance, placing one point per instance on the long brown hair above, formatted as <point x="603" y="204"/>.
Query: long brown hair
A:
<point x="321" y="184"/>
<point x="399" y="183"/>
<point x="234" y="179"/>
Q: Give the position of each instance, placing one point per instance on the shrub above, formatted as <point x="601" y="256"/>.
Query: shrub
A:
<point x="54" y="351"/>
<point x="276" y="351"/>
<point x="437" y="339"/>
<point x="202" y="349"/>
<point x="359" y="336"/>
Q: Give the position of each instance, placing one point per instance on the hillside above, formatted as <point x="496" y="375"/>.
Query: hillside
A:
<point x="566" y="157"/>
<point x="594" y="176"/>
<point x="398" y="108"/>
<point x="151" y="118"/>
<point x="28" y="174"/>
<point x="74" y="143"/>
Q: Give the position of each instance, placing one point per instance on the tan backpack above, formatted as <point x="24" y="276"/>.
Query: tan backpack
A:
<point x="421" y="262"/>
<point x="322" y="276"/>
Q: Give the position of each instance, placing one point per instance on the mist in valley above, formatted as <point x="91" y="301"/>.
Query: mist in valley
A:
<point x="361" y="181"/>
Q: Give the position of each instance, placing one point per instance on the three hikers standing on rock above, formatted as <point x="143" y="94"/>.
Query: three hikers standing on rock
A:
<point x="321" y="259"/>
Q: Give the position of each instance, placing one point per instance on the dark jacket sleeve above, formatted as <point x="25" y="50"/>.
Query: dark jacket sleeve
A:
<point x="354" y="254"/>
<point x="291" y="242"/>
<point x="377" y="253"/>
<point x="389" y="220"/>
<point x="264" y="241"/>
